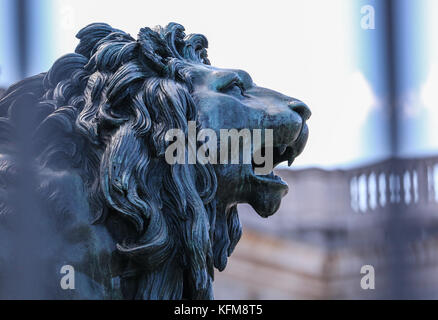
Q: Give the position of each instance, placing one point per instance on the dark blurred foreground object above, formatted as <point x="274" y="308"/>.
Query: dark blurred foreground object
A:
<point x="85" y="185"/>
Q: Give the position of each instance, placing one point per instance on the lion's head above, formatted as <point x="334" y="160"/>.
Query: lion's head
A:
<point x="102" y="114"/>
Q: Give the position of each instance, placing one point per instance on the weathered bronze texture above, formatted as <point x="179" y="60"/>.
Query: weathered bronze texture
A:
<point x="83" y="176"/>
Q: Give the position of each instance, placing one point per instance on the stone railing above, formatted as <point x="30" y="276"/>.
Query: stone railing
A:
<point x="328" y="206"/>
<point x="333" y="222"/>
<point x="407" y="183"/>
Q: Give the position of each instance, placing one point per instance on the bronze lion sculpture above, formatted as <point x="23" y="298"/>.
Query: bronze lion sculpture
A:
<point x="83" y="176"/>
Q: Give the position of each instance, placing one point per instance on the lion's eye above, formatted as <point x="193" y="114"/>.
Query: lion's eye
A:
<point x="234" y="88"/>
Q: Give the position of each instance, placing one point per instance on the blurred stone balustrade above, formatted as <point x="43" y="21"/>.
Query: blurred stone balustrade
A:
<point x="331" y="223"/>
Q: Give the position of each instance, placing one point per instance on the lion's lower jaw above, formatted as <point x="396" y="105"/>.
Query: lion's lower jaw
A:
<point x="267" y="204"/>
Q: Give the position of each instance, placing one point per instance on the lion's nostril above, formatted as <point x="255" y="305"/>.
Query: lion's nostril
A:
<point x="301" y="108"/>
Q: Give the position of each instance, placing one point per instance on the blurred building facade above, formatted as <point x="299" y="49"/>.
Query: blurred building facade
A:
<point x="331" y="224"/>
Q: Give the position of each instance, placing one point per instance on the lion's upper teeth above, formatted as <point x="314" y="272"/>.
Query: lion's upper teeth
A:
<point x="282" y="149"/>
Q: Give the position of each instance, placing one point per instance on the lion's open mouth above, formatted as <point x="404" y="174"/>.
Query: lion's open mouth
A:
<point x="268" y="190"/>
<point x="281" y="154"/>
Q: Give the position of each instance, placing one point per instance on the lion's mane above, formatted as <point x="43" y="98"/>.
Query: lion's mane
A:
<point x="103" y="111"/>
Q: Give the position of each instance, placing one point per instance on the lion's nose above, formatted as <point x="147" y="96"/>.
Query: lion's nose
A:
<point x="301" y="108"/>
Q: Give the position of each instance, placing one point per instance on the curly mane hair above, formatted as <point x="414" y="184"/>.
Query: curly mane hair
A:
<point x="103" y="112"/>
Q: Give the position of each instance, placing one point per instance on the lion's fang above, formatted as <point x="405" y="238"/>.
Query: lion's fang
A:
<point x="282" y="149"/>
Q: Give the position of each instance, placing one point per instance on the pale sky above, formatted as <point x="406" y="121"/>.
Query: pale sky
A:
<point x="419" y="93"/>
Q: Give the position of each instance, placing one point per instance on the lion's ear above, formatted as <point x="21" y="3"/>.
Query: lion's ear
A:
<point x="154" y="49"/>
<point x="174" y="35"/>
<point x="195" y="48"/>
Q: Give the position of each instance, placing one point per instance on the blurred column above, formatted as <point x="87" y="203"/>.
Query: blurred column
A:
<point x="9" y="61"/>
<point x="26" y="39"/>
